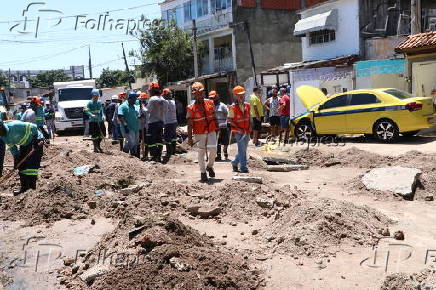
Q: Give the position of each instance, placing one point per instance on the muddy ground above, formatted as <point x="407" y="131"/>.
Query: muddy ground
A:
<point x="140" y="225"/>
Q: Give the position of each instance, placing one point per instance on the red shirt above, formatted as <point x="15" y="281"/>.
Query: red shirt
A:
<point x="285" y="102"/>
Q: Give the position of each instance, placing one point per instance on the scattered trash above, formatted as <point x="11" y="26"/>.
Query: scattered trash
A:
<point x="100" y="192"/>
<point x="399" y="235"/>
<point x="83" y="170"/>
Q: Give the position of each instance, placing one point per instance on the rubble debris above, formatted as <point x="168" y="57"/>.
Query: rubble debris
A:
<point x="399" y="180"/>
<point x="91" y="274"/>
<point x="249" y="179"/>
<point x="429" y="198"/>
<point x="179" y="265"/>
<point x="132" y="189"/>
<point x="286" y="168"/>
<point x="265" y="203"/>
<point x="279" y="161"/>
<point x="204" y="211"/>
<point x="399" y="235"/>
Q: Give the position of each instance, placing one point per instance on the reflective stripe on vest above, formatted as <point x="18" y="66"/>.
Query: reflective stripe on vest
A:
<point x="29" y="172"/>
<point x="26" y="136"/>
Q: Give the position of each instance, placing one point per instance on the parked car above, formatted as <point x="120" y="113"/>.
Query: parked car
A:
<point x="382" y="113"/>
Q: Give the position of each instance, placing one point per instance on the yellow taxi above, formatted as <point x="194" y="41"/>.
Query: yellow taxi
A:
<point x="382" y="113"/>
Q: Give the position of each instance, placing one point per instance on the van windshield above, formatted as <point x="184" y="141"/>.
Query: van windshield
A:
<point x="74" y="94"/>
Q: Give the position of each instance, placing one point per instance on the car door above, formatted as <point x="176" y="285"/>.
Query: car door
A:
<point x="330" y="117"/>
<point x="362" y="112"/>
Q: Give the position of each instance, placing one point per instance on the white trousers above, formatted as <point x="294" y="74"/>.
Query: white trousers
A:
<point x="209" y="142"/>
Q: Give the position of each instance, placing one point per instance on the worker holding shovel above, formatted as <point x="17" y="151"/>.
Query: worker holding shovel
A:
<point x="239" y="120"/>
<point x="25" y="142"/>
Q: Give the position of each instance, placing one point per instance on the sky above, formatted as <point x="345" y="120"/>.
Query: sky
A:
<point x="57" y="33"/>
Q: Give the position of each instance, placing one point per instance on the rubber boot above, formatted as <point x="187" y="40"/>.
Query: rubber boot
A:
<point x="121" y="144"/>
<point x="32" y="181"/>
<point x="145" y="157"/>
<point x="94" y="143"/>
<point x="137" y="152"/>
<point x="99" y="146"/>
<point x="173" y="147"/>
<point x="24" y="185"/>
<point x="218" y="153"/>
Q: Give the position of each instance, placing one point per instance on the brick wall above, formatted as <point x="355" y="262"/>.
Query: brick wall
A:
<point x="247" y="3"/>
<point x="281" y="4"/>
<point x="313" y="2"/>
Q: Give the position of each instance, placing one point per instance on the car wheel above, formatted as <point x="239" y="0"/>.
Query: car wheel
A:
<point x="410" y="134"/>
<point x="304" y="131"/>
<point x="386" y="131"/>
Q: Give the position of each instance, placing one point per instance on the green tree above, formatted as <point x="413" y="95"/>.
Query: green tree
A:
<point x="46" y="79"/>
<point x="166" y="52"/>
<point x="114" y="78"/>
<point x="3" y="80"/>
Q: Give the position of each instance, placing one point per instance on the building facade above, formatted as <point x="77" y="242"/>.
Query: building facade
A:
<point x="227" y="27"/>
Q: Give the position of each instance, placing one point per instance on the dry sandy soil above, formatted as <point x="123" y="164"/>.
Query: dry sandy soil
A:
<point x="311" y="229"/>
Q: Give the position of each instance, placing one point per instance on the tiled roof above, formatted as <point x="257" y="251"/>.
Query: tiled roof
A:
<point x="421" y="40"/>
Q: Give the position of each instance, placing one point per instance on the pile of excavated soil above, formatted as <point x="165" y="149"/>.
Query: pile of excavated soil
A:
<point x="355" y="157"/>
<point x="426" y="279"/>
<point x="169" y="255"/>
<point x="313" y="227"/>
<point x="61" y="194"/>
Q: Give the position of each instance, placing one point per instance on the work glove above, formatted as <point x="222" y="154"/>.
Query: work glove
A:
<point x="126" y="129"/>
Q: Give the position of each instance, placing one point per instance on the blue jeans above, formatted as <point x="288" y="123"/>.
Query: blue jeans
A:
<point x="132" y="141"/>
<point x="241" y="158"/>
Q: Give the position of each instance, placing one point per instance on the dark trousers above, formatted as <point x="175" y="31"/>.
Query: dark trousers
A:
<point x="44" y="132"/>
<point x="2" y="155"/>
<point x="28" y="171"/>
<point x="154" y="138"/>
<point x="110" y="126"/>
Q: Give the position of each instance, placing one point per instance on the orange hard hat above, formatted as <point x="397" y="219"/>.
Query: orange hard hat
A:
<point x="197" y="86"/>
<point x="153" y="85"/>
<point x="143" y="96"/>
<point x="122" y="95"/>
<point x="213" y="94"/>
<point x="166" y="91"/>
<point x="238" y="90"/>
<point x="36" y="100"/>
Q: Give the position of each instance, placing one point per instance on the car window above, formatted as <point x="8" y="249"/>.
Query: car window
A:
<point x="363" y="99"/>
<point x="398" y="94"/>
<point x="339" y="101"/>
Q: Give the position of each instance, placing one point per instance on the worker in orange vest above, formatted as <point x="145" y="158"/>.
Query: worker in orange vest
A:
<point x="202" y="125"/>
<point x="239" y="120"/>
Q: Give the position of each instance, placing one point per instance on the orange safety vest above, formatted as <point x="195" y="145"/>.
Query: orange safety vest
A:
<point x="203" y="117"/>
<point x="242" y="119"/>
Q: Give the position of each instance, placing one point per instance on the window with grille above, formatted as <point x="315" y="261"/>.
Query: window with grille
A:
<point x="322" y="36"/>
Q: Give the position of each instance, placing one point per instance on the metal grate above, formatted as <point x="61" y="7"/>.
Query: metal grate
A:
<point x="74" y="113"/>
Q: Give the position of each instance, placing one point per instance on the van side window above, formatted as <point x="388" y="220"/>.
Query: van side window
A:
<point x="363" y="99"/>
<point x="339" y="101"/>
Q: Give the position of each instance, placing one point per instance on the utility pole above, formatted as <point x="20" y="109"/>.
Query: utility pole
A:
<point x="416" y="17"/>
<point x="194" y="48"/>
<point x="253" y="64"/>
<point x="90" y="62"/>
<point x="9" y="78"/>
<point x="246" y="28"/>
<point x="127" y="65"/>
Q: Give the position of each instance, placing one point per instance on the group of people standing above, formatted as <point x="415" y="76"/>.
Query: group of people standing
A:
<point x="135" y="119"/>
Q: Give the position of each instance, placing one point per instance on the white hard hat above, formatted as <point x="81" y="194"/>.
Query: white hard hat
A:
<point x="114" y="97"/>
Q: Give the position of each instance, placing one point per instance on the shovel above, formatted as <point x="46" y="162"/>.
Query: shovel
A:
<point x="11" y="172"/>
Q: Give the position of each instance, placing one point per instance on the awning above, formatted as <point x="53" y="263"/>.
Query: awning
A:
<point x="318" y="22"/>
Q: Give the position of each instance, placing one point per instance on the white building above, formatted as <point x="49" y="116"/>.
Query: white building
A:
<point x="212" y="21"/>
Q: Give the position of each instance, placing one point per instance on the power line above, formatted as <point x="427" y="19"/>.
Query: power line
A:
<point x="40" y="58"/>
<point x="82" y="14"/>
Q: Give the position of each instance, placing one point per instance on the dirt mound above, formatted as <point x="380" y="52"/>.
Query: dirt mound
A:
<point x="61" y="194"/>
<point x="355" y="157"/>
<point x="168" y="255"/>
<point x="426" y="279"/>
<point x="313" y="227"/>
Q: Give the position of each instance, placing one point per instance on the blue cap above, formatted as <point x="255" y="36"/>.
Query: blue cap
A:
<point x="132" y="95"/>
<point x="95" y="92"/>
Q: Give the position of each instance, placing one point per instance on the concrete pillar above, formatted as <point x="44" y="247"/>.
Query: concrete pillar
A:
<point x="211" y="55"/>
<point x="234" y="50"/>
